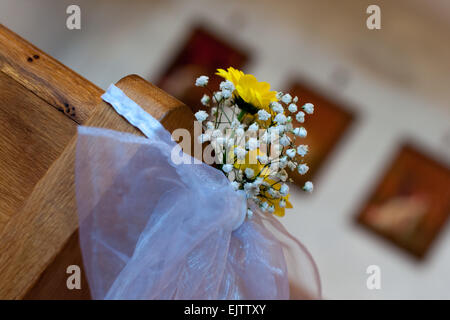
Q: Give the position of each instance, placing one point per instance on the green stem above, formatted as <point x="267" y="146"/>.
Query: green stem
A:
<point x="241" y="115"/>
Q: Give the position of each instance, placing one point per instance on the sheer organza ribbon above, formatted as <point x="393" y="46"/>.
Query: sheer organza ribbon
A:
<point x="150" y="229"/>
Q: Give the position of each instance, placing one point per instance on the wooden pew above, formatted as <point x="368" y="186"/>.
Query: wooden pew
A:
<point x="41" y="103"/>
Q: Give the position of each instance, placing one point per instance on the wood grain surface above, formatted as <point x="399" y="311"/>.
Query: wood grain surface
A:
<point x="47" y="78"/>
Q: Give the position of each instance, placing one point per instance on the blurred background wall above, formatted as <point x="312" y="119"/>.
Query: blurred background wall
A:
<point x="394" y="81"/>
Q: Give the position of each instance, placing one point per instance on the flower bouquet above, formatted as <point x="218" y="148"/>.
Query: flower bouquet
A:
<point x="152" y="227"/>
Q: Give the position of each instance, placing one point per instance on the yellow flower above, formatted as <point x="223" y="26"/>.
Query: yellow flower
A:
<point x="249" y="89"/>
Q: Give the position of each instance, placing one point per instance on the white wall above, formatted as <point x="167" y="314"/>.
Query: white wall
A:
<point x="398" y="89"/>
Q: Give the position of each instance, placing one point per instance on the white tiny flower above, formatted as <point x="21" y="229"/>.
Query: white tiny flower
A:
<point x="202" y="81"/>
<point x="263" y="115"/>
<point x="201" y="115"/>
<point x="287" y="98"/>
<point x="240" y="175"/>
<point x="216" y="133"/>
<point x="252" y="144"/>
<point x="279" y="95"/>
<point x="227" y="168"/>
<point x="235" y="123"/>
<point x="282" y="203"/>
<point x="283" y="162"/>
<point x="218" y="96"/>
<point x="213" y="111"/>
<point x="263" y="159"/>
<point x="309" y="108"/>
<point x="300" y="132"/>
<point x="292" y="165"/>
<point x="291" y="153"/>
<point x="205" y="100"/>
<point x="274" y="193"/>
<point x="210" y="125"/>
<point x="251" y="190"/>
<point x="308" y="187"/>
<point x="280" y="118"/>
<point x="249" y="213"/>
<point x="276" y="107"/>
<point x="285" y="141"/>
<point x="302" y="150"/>
<point x="271" y="209"/>
<point x="264" y="206"/>
<point x="240" y="132"/>
<point x="258" y="181"/>
<point x="295" y="100"/>
<point x="284" y="190"/>
<point x="300" y="117"/>
<point x="227" y="85"/>
<point x="249" y="173"/>
<point x="226" y="94"/>
<point x="240" y="152"/>
<point x="283" y="175"/>
<point x="292" y="108"/>
<point x="235" y="185"/>
<point x="303" y="169"/>
<point x="254" y="127"/>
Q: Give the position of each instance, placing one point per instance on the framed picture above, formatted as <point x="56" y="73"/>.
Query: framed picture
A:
<point x="202" y="54"/>
<point x="411" y="203"/>
<point x="326" y="128"/>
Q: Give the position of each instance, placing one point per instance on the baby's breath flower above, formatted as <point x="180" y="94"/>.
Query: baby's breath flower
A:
<point x="302" y="150"/>
<point x="295" y="100"/>
<point x="216" y="133"/>
<point x="202" y="81"/>
<point x="240" y="152"/>
<point x="287" y="98"/>
<point x="240" y="132"/>
<point x="252" y="144"/>
<point x="210" y="125"/>
<point x="201" y="115"/>
<point x="300" y="132"/>
<point x="249" y="213"/>
<point x="264" y="206"/>
<point x="282" y="203"/>
<point x="308" y="187"/>
<point x="300" y="117"/>
<point x="249" y="173"/>
<point x="227" y="85"/>
<point x="283" y="175"/>
<point x="292" y="108"/>
<point x="284" y="190"/>
<point x="251" y="189"/>
<point x="285" y="141"/>
<point x="279" y="95"/>
<point x="254" y="127"/>
<point x="263" y="115"/>
<point x="291" y="153"/>
<point x="276" y="107"/>
<point x="303" y="169"/>
<point x="263" y="159"/>
<point x="218" y="96"/>
<point x="274" y="193"/>
<point x="227" y="168"/>
<point x="309" y="108"/>
<point x="213" y="111"/>
<point x="205" y="100"/>
<point x="236" y="185"/>
<point x="292" y="165"/>
<point x="271" y="209"/>
<point x="280" y="118"/>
